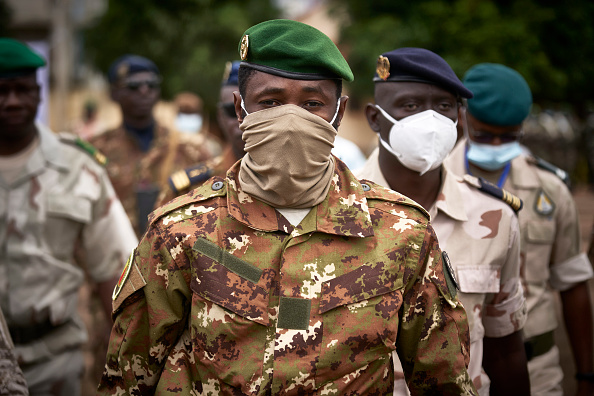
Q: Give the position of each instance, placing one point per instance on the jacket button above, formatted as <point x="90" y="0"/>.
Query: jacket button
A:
<point x="217" y="185"/>
<point x="365" y="187"/>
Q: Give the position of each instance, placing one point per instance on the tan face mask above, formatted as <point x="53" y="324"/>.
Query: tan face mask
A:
<point x="288" y="162"/>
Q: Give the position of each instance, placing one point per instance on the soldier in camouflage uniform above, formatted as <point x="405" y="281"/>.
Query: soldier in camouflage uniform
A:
<point x="480" y="233"/>
<point x="55" y="199"/>
<point x="184" y="180"/>
<point x="551" y="255"/>
<point x="287" y="286"/>
<point x="141" y="153"/>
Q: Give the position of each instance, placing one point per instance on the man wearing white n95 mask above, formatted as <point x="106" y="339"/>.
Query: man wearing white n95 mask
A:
<point x="416" y="110"/>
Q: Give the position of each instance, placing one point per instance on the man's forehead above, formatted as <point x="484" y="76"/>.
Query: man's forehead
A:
<point x="30" y="79"/>
<point x="141" y="76"/>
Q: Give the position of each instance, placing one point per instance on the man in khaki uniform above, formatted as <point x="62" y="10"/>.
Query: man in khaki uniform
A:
<point x="417" y="98"/>
<point x="551" y="255"/>
<point x="141" y="153"/>
<point x="55" y="199"/>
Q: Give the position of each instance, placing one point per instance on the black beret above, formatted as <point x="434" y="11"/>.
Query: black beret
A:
<point x="128" y="65"/>
<point x="231" y="73"/>
<point x="419" y="65"/>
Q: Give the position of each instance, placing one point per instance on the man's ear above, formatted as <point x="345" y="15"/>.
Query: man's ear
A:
<point x="237" y="103"/>
<point x="372" y="114"/>
<point x="341" y="110"/>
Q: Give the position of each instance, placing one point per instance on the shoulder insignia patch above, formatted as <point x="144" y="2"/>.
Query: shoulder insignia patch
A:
<point x="513" y="201"/>
<point x="118" y="288"/>
<point x="183" y="180"/>
<point x="450" y="276"/>
<point x="543" y="204"/>
<point x="542" y="164"/>
<point x="86" y="146"/>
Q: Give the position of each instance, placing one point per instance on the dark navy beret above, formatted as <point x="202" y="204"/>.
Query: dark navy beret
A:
<point x="501" y="95"/>
<point x="17" y="59"/>
<point x="128" y="65"/>
<point x="419" y="65"/>
<point x="231" y="73"/>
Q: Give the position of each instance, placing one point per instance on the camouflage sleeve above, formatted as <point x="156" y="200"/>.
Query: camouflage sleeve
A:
<point x="569" y="266"/>
<point x="108" y="238"/>
<point x="151" y="304"/>
<point x="433" y="340"/>
<point x="505" y="311"/>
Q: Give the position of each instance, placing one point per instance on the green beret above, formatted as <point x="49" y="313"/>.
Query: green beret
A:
<point x="501" y="95"/>
<point x="17" y="59"/>
<point x="293" y="50"/>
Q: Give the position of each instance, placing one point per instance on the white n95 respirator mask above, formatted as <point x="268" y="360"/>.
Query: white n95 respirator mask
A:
<point x="420" y="141"/>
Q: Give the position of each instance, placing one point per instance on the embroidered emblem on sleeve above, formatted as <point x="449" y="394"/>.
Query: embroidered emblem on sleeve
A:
<point x="450" y="275"/>
<point x="123" y="277"/>
<point x="544" y="205"/>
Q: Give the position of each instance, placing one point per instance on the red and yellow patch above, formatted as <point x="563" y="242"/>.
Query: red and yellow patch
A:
<point x="123" y="277"/>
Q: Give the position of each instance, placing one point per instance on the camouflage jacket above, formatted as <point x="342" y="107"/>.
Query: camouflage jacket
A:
<point x="61" y="202"/>
<point x="224" y="296"/>
<point x="184" y="180"/>
<point x="138" y="176"/>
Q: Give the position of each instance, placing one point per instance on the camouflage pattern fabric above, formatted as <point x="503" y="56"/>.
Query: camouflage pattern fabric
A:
<point x="481" y="235"/>
<point x="12" y="382"/>
<point x="133" y="172"/>
<point x="217" y="166"/>
<point x="224" y="296"/>
<point x="62" y="201"/>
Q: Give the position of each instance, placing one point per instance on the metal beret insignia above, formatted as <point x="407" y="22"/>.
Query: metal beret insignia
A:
<point x="123" y="70"/>
<point x="383" y="67"/>
<point x="243" y="49"/>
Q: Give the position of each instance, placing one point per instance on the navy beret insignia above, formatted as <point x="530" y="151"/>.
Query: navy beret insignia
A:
<point x="383" y="67"/>
<point x="123" y="70"/>
<point x="243" y="49"/>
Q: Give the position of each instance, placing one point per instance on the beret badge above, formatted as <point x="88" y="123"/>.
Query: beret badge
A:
<point x="243" y="49"/>
<point x="227" y="72"/>
<point x="123" y="70"/>
<point x="383" y="67"/>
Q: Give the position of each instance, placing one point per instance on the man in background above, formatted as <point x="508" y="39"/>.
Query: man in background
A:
<point x="552" y="258"/>
<point x="56" y="206"/>
<point x="141" y="153"/>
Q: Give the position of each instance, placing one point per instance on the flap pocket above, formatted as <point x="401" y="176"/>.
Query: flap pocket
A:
<point x="540" y="231"/>
<point x="71" y="207"/>
<point x="230" y="282"/>
<point x="363" y="283"/>
<point x="478" y="279"/>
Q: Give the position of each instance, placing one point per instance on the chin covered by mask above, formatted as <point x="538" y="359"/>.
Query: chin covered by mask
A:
<point x="490" y="157"/>
<point x="420" y="141"/>
<point x="288" y="161"/>
<point x="188" y="123"/>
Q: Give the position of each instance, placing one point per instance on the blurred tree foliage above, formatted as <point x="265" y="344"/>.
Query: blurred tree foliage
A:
<point x="551" y="43"/>
<point x="189" y="40"/>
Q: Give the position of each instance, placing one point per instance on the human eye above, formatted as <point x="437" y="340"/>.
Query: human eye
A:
<point x="269" y="103"/>
<point x="313" y="105"/>
<point x="445" y="106"/>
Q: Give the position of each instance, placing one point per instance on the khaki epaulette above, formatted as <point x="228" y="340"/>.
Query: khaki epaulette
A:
<point x="182" y="180"/>
<point x="489" y="188"/>
<point x="75" y="140"/>
<point x="542" y="164"/>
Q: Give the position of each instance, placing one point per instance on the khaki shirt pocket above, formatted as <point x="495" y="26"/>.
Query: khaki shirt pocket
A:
<point x="539" y="238"/>
<point x="66" y="215"/>
<point x="478" y="279"/>
<point x="229" y="323"/>
<point x="359" y="321"/>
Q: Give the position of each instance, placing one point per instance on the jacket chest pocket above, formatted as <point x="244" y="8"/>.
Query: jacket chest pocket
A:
<point x="229" y="321"/>
<point x="360" y="321"/>
<point x="539" y="239"/>
<point x="66" y="215"/>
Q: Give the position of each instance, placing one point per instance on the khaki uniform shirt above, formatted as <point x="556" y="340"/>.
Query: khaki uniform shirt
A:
<point x="138" y="176"/>
<point x="225" y="296"/>
<point x="481" y="236"/>
<point x="61" y="200"/>
<point x="550" y="248"/>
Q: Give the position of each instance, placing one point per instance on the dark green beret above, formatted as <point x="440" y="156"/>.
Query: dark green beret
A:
<point x="294" y="50"/>
<point x="501" y="95"/>
<point x="17" y="59"/>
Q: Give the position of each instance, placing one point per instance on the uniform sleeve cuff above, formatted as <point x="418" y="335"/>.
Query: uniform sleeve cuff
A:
<point x="511" y="315"/>
<point x="571" y="272"/>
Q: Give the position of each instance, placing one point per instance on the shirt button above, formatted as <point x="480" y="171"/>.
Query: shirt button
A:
<point x="365" y="187"/>
<point x="217" y="185"/>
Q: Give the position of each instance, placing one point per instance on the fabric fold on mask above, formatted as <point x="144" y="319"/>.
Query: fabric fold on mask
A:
<point x="288" y="161"/>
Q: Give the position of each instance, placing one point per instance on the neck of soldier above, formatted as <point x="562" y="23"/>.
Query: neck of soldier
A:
<point x="13" y="143"/>
<point x="139" y="123"/>
<point x="422" y="189"/>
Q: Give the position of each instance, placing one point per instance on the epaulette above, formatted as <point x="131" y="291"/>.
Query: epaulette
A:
<point x="542" y="164"/>
<point x="86" y="146"/>
<point x="376" y="191"/>
<point x="182" y="180"/>
<point x="489" y="188"/>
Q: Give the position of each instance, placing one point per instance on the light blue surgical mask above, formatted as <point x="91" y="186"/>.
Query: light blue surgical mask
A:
<point x="490" y="157"/>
